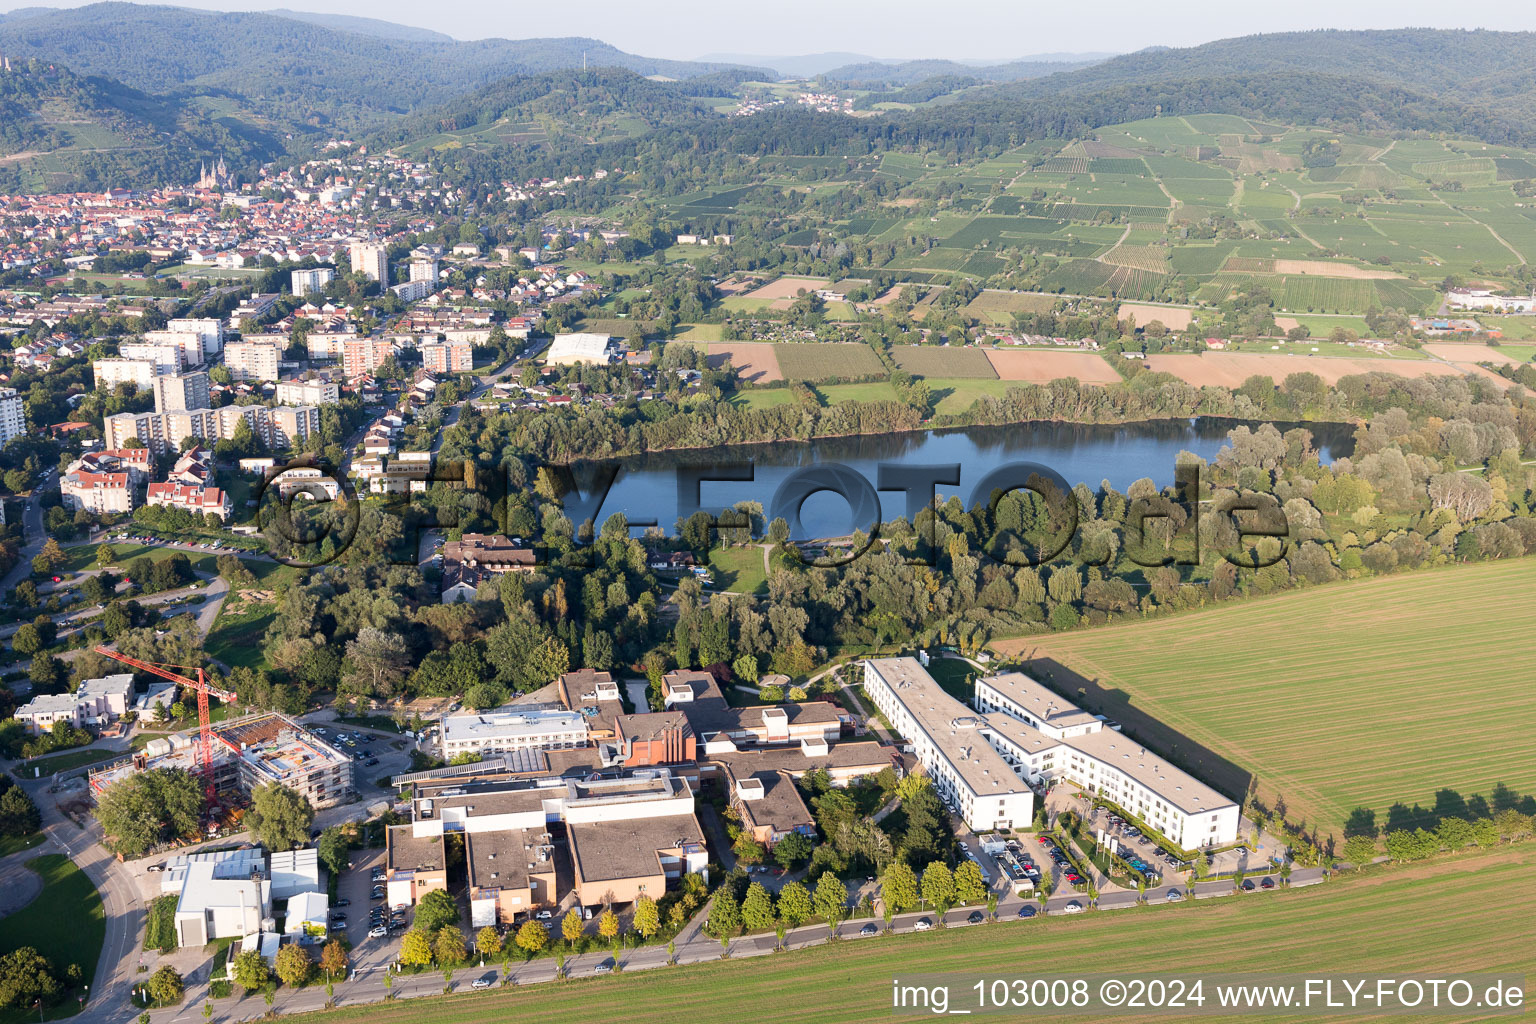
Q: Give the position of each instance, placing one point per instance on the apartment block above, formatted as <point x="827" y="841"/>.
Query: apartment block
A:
<point x="209" y="331"/>
<point x="371" y="260"/>
<point x="109" y="373"/>
<point x="181" y="392"/>
<point x="447" y="356"/>
<point x="190" y="343"/>
<point x="253" y="360"/>
<point x="167" y="358"/>
<point x="305" y="281"/>
<point x="13" y="419"/>
<point x="308" y="392"/>
<point x="363" y="355"/>
<point x="280" y="427"/>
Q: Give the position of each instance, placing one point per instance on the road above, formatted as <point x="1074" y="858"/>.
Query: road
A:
<point x="32" y="531"/>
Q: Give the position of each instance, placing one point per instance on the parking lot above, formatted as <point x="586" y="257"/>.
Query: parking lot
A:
<point x="356" y="885"/>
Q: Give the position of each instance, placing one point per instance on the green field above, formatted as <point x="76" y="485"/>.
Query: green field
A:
<point x="236" y="636"/>
<point x="1359" y="694"/>
<point x="938" y="361"/>
<point x="813" y="362"/>
<point x="739" y="570"/>
<point x="45" y="766"/>
<point x="64" y="923"/>
<point x="1375" y="924"/>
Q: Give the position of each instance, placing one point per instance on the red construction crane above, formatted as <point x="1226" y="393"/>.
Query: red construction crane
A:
<point x="203" y="689"/>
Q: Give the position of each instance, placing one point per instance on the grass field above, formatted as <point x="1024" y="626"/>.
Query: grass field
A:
<point x="739" y="570"/>
<point x="235" y="638"/>
<point x="64" y="923"/>
<point x="1372" y="924"/>
<point x="56" y="763"/>
<point x="1359" y="694"/>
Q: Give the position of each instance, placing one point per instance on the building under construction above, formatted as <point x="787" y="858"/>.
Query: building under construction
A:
<point x="247" y="753"/>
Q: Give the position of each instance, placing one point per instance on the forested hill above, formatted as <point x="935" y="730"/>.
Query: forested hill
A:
<point x="101" y="133"/>
<point x="1473" y="67"/>
<point x="877" y="75"/>
<point x="365" y="26"/>
<point x="293" y="70"/>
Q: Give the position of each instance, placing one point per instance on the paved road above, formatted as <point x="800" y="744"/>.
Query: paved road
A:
<point x="32" y="527"/>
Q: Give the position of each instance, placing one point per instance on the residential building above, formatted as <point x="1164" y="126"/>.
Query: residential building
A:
<point x="412" y="291"/>
<point x="196" y="500"/>
<point x="109" y="373"/>
<point x="476" y="557"/>
<point x="424" y="269"/>
<point x="13" y="419"/>
<point x="209" y="331"/>
<point x="447" y="357"/>
<point x="363" y="355"/>
<point x="167" y="358"/>
<point x="106" y="481"/>
<point x="253" y="360"/>
<point x="280" y="427"/>
<point x="318" y="391"/>
<point x="190" y="343"/>
<point x="305" y="281"/>
<point x="371" y="260"/>
<point x="182" y="392"/>
<point x="948" y="739"/>
<point x="97" y="702"/>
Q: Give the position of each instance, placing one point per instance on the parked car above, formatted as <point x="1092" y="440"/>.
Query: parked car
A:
<point x="604" y="967"/>
<point x="1248" y="885"/>
<point x="546" y="915"/>
<point x="343" y="902"/>
<point x="370" y="762"/>
<point x="869" y="929"/>
<point x="484" y="981"/>
<point x="923" y="924"/>
<point x="1027" y="911"/>
<point x="1268" y="883"/>
<point x="976" y="917"/>
<point x="378" y="932"/>
<point x="1174" y="896"/>
<point x="338" y="917"/>
<point x="1073" y="908"/>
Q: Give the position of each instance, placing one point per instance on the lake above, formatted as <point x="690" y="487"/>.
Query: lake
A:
<point x="647" y="488"/>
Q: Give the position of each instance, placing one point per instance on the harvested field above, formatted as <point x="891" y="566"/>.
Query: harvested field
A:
<point x="1230" y="369"/>
<point x="938" y="361"/>
<point x="1039" y="366"/>
<point x="787" y="287"/>
<point x="737" y="286"/>
<point x="754" y="360"/>
<point x="1286" y="323"/>
<point x="1173" y="318"/>
<point x="815" y="361"/>
<point x="1011" y="302"/>
<point x="1327" y="268"/>
<point x="1452" y="352"/>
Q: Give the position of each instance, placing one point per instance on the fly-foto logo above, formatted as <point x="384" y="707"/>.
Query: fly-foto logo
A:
<point x="311" y="515"/>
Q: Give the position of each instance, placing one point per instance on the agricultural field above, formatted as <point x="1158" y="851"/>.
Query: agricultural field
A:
<point x="1374" y="925"/>
<point x="754" y="360"/>
<point x="813" y="362"/>
<point x="1107" y="217"/>
<point x="1230" y="369"/>
<point x="1174" y="318"/>
<point x="1038" y="366"/>
<point x="1371" y="704"/>
<point x="937" y="361"/>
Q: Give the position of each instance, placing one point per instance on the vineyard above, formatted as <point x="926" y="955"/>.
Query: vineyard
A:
<point x="1151" y="258"/>
<point x="815" y="362"/>
<point x="935" y="361"/>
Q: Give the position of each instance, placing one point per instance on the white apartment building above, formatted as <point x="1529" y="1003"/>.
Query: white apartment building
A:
<point x="96" y="703"/>
<point x="252" y="360"/>
<point x="371" y="260"/>
<point x="306" y="281"/>
<point x="512" y="728"/>
<point x="209" y="331"/>
<point x="280" y="427"/>
<point x="13" y="418"/>
<point x="189" y="342"/>
<point x="167" y="358"/>
<point x="109" y="373"/>
<point x="950" y="742"/>
<point x="308" y="392"/>
<point x="1046" y="737"/>
<point x="181" y="392"/>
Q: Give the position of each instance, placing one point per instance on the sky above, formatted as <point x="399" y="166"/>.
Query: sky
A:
<point x="896" y="29"/>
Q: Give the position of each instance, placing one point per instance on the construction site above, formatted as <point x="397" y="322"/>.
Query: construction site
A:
<point x="245" y="753"/>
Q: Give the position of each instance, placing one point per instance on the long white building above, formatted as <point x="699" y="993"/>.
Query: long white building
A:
<point x="1047" y="737"/>
<point x="950" y="742"/>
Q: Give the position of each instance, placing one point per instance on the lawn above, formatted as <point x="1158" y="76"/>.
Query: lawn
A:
<point x="1372" y="925"/>
<point x="64" y="762"/>
<point x="1358" y="694"/>
<point x="235" y="638"/>
<point x="738" y="569"/>
<point x="15" y="844"/>
<point x="65" y="923"/>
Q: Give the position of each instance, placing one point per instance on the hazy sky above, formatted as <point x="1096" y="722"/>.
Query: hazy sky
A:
<point x="894" y="28"/>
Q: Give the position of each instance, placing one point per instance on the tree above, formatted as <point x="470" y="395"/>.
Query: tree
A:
<point x="51" y="557"/>
<point x="416" y="949"/>
<point x="19" y="816"/>
<point x="791" y="850"/>
<point x="26" y="640"/>
<point x="747" y="849"/>
<point x="143" y="810"/>
<point x="333" y="958"/>
<point x="165" y="986"/>
<point x="435" y="911"/>
<point x="570" y="925"/>
<point x="333" y="850"/>
<point x="26" y="977"/>
<point x="1360" y="850"/>
<point x="939" y="886"/>
<point x="250" y="970"/>
<point x="898" y="887"/>
<point x="724" y="914"/>
<point x="448" y="947"/>
<point x="608" y="925"/>
<point x="488" y="941"/>
<point x="105" y="555"/>
<point x="970" y="886"/>
<point x="831" y="898"/>
<point x="378" y="661"/>
<point x="293" y="965"/>
<point x="795" y="906"/>
<point x="279" y="817"/>
<point x="647" y="919"/>
<point x="532" y="937"/>
<point x="757" y="908"/>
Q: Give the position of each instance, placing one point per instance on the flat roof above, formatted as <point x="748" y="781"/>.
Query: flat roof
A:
<point x="502" y="859"/>
<point x="1023" y="734"/>
<point x="1045" y="704"/>
<point x="405" y="852"/>
<point x="511" y="721"/>
<point x="952" y="727"/>
<point x="606" y="851"/>
<point x="1173" y="785"/>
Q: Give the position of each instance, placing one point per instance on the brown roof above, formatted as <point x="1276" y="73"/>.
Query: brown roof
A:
<point x="608" y="851"/>
<point x="780" y="807"/>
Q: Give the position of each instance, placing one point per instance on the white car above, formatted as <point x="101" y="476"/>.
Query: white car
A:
<point x="378" y="932"/>
<point x="1073" y="908"/>
<point x="923" y="924"/>
<point x="1174" y="896"/>
<point x="546" y="915"/>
